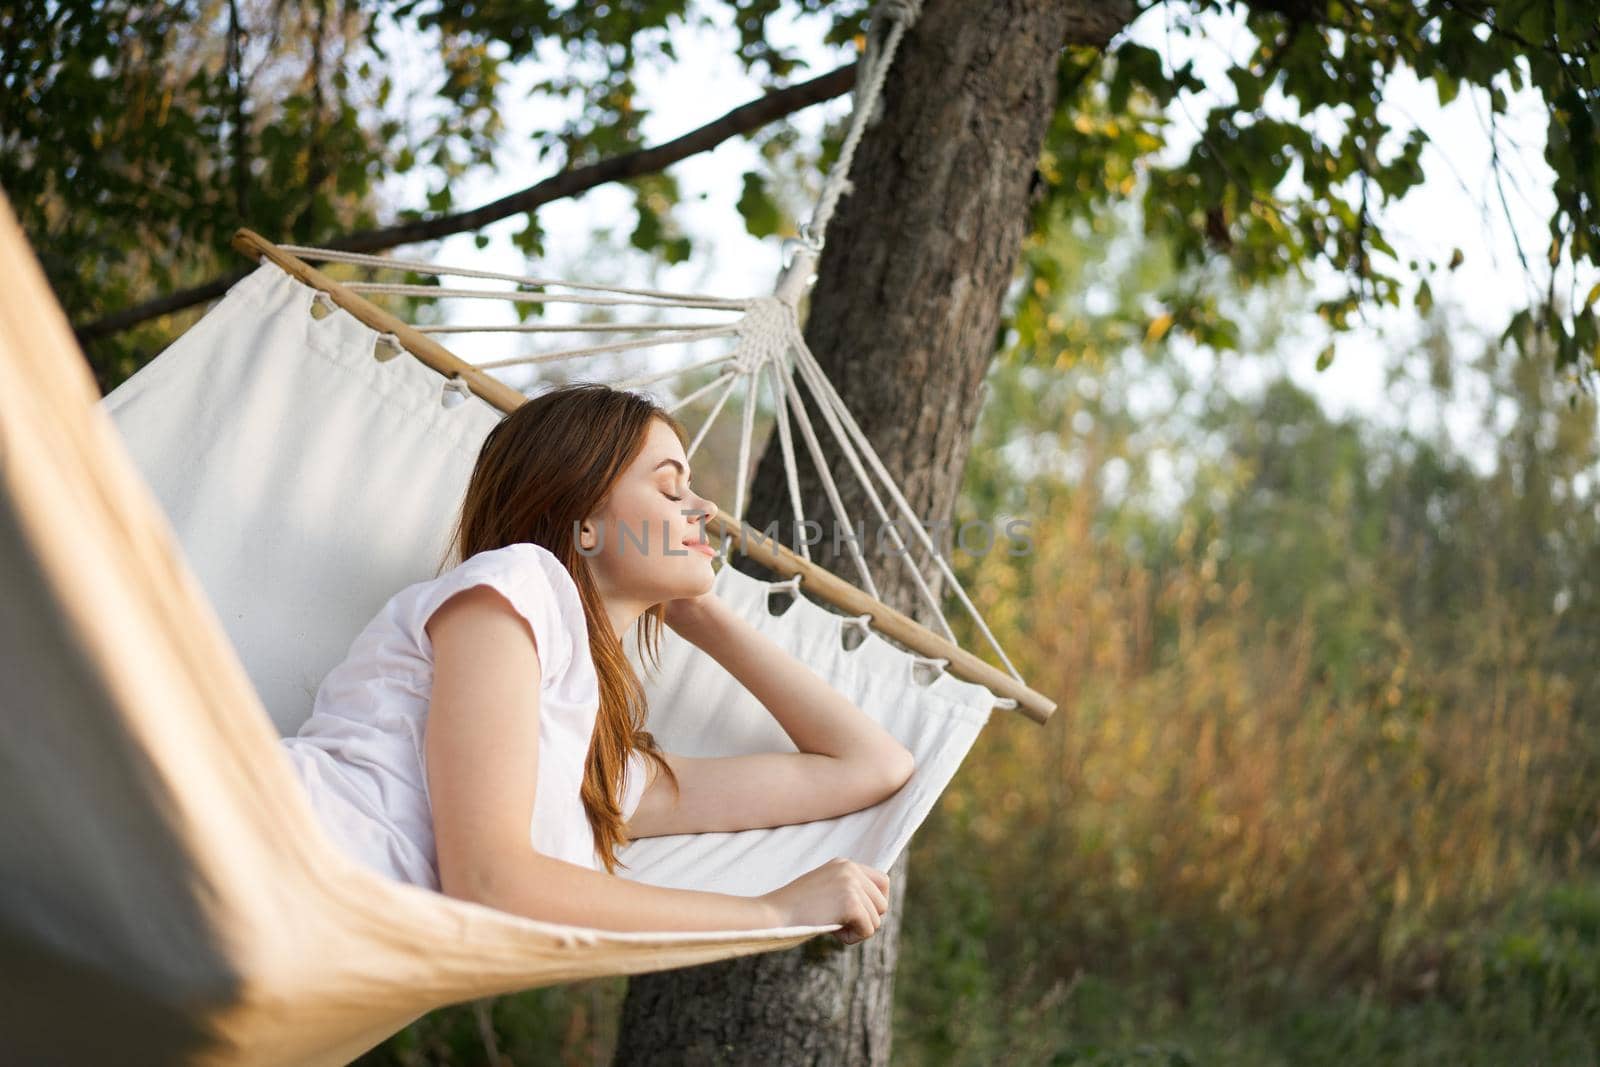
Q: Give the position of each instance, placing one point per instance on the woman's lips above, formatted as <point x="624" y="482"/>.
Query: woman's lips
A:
<point x="705" y="547"/>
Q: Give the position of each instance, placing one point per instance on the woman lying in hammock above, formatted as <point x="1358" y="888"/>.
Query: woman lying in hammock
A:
<point x="497" y="697"/>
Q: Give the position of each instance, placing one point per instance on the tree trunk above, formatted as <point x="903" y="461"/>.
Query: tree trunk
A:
<point x="904" y="321"/>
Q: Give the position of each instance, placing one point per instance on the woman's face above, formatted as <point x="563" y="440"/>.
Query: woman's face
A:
<point x="641" y="544"/>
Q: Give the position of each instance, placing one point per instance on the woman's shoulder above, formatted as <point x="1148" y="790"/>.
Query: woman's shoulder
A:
<point x="529" y="562"/>
<point x="518" y="554"/>
<point x="530" y="577"/>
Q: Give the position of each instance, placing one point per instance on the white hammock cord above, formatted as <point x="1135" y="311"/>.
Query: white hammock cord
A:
<point x="746" y="432"/>
<point x="835" y="402"/>
<point x="613" y="346"/>
<point x="780" y="391"/>
<point x="808" y="432"/>
<point x="673" y="372"/>
<point x="418" y="267"/>
<point x="517" y="296"/>
<point x="733" y="380"/>
<point x="763" y="336"/>
<point x="827" y="400"/>
<point x="704" y="389"/>
<point x="899" y="14"/>
<point x="571" y="327"/>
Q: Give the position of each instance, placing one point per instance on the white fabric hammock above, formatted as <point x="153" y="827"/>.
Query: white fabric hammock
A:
<point x="309" y="481"/>
<point x="166" y="894"/>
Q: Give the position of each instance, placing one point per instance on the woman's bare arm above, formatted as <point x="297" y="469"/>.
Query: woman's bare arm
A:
<point x="815" y="715"/>
<point x="482" y="744"/>
<point x="553" y="890"/>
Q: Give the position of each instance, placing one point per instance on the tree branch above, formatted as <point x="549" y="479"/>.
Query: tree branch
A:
<point x="317" y="168"/>
<point x="741" y="120"/>
<point x="235" y="62"/>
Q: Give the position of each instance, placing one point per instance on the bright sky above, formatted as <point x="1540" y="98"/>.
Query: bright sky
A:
<point x="1458" y="207"/>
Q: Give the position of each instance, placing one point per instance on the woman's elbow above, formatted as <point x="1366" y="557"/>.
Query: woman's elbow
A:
<point x="488" y="879"/>
<point x="897" y="769"/>
<point x="475" y="886"/>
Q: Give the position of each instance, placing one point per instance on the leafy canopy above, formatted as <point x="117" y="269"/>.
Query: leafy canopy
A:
<point x="135" y="137"/>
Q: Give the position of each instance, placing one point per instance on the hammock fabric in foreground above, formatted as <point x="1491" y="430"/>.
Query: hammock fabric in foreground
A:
<point x="166" y="895"/>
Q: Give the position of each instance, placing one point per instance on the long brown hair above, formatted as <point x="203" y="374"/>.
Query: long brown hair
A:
<point x="540" y="471"/>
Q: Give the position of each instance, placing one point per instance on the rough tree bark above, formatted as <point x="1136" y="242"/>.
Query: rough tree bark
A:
<point x="903" y="320"/>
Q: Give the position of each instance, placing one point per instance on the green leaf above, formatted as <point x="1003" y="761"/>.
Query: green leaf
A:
<point x="1248" y="87"/>
<point x="1325" y="357"/>
<point x="1446" y="86"/>
<point x="760" y="210"/>
<point x="648" y="234"/>
<point x="1517" y="327"/>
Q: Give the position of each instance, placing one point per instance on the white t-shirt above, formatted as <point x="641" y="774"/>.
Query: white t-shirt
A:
<point x="361" y="754"/>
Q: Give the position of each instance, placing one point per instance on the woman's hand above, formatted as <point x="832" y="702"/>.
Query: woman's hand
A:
<point x="839" y="891"/>
<point x="685" y="614"/>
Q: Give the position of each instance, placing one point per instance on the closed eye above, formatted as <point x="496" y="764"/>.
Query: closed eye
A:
<point x="669" y="496"/>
